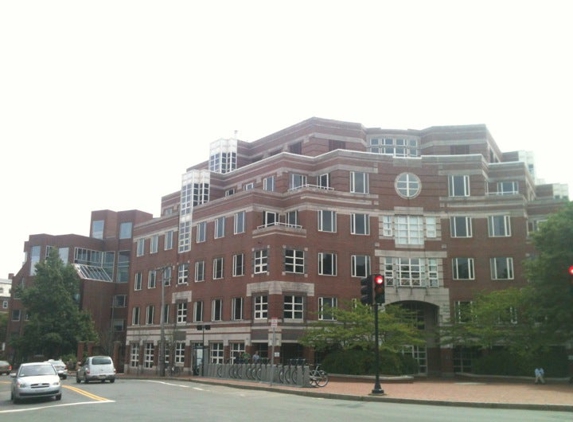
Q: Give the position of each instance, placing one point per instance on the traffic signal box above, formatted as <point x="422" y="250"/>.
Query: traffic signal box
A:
<point x="379" y="293"/>
<point x="366" y="291"/>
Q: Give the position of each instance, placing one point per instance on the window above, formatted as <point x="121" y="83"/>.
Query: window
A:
<point x="152" y="279"/>
<point x="138" y="282"/>
<point x="323" y="180"/>
<point x="237" y="351"/>
<point x="240" y="222"/>
<point x="198" y="311"/>
<point x="360" y="224"/>
<point x="294" y="261"/>
<point x="120" y="301"/>
<point x="387" y="226"/>
<point x="169" y="241"/>
<point x="293" y="307"/>
<point x="201" y="232"/>
<point x="325" y="306"/>
<point x="461" y="226"/>
<point x="261" y="261"/>
<point x="238" y="265"/>
<point x="217" y="310"/>
<point x="249" y="186"/>
<point x="135" y="315"/>
<point x="501" y="268"/>
<point x="269" y="183"/>
<point x="269" y="218"/>
<point x="411" y="272"/>
<point x="459" y="186"/>
<point x="237" y="309"/>
<point x="97" y="229"/>
<point x="123" y="258"/>
<point x="463" y="269"/>
<point x="125" y="230"/>
<point x="140" y="247"/>
<point x="499" y="226"/>
<point x="149" y="314"/>
<point x="326" y="221"/>
<point x="463" y="312"/>
<point x="397" y="147"/>
<point x="261" y="307"/>
<point x="220" y="227"/>
<point x="409" y="230"/>
<point x="180" y="352"/>
<point x="217" y="352"/>
<point x="217" y="268"/>
<point x="134" y="356"/>
<point x="181" y="312"/>
<point x="508" y="188"/>
<point x="200" y="271"/>
<point x="166" y="275"/>
<point x="154" y="244"/>
<point x="297" y="181"/>
<point x="230" y="192"/>
<point x="148" y="357"/>
<point x="292" y="218"/>
<point x="407" y="185"/>
<point x="359" y="182"/>
<point x="16" y="313"/>
<point x="183" y="274"/>
<point x="360" y="265"/>
<point x="118" y="325"/>
<point x="326" y="263"/>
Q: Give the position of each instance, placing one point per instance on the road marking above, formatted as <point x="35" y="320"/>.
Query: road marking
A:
<point x="170" y="384"/>
<point x="85" y="393"/>
<point x="30" y="409"/>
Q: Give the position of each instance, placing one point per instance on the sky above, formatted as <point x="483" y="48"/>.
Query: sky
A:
<point x="105" y="104"/>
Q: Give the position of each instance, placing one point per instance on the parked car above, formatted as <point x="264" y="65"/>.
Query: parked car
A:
<point x="96" y="368"/>
<point x="37" y="379"/>
<point x="5" y="367"/>
<point x="61" y="367"/>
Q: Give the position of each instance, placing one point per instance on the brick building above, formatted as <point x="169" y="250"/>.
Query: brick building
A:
<point x="275" y="229"/>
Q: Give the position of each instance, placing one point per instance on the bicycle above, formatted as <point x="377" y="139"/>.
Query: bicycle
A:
<point x="175" y="371"/>
<point x="318" y="377"/>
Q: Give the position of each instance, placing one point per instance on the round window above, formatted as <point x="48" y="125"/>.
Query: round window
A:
<point x="408" y="185"/>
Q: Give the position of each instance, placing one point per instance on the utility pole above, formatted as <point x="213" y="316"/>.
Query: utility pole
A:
<point x="162" y="322"/>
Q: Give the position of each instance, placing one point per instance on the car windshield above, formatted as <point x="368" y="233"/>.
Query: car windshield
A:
<point x="35" y="370"/>
<point x="101" y="361"/>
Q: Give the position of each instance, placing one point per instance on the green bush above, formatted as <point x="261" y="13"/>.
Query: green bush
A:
<point x="363" y="362"/>
<point x="502" y="362"/>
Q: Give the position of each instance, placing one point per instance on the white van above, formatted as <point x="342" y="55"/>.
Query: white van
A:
<point x="96" y="368"/>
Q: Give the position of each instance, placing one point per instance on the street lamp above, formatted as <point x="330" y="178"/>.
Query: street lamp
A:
<point x="162" y="320"/>
<point x="203" y="328"/>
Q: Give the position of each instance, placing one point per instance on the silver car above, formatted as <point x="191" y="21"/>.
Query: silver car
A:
<point x="38" y="379"/>
<point x="96" y="368"/>
<point x="61" y="367"/>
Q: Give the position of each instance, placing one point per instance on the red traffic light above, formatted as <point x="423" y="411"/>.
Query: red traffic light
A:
<point x="378" y="279"/>
<point x="571" y="270"/>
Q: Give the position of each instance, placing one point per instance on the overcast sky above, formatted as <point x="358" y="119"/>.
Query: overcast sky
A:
<point x="104" y="104"/>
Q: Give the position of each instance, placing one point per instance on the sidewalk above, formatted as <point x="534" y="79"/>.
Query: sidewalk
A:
<point x="494" y="394"/>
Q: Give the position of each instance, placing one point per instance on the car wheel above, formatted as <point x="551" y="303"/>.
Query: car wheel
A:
<point x="112" y="380"/>
<point x="78" y="380"/>
<point x="59" y="396"/>
<point x="65" y="377"/>
<point x="102" y="381"/>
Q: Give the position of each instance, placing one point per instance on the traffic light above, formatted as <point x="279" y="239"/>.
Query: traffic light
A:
<point x="366" y="293"/>
<point x="571" y="280"/>
<point x="379" y="296"/>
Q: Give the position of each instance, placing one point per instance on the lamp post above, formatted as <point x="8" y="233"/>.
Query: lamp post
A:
<point x="162" y="322"/>
<point x="203" y="328"/>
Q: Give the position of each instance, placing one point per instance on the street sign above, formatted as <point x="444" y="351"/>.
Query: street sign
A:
<point x="274" y="322"/>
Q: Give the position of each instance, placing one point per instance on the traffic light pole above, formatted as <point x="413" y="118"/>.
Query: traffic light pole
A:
<point x="377" y="388"/>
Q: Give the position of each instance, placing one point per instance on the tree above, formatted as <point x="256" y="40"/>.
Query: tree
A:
<point x="352" y="327"/>
<point x="55" y="322"/>
<point x="548" y="294"/>
<point x="498" y="318"/>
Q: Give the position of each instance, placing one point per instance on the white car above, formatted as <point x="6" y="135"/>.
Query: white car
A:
<point x="61" y="367"/>
<point x="38" y="379"/>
